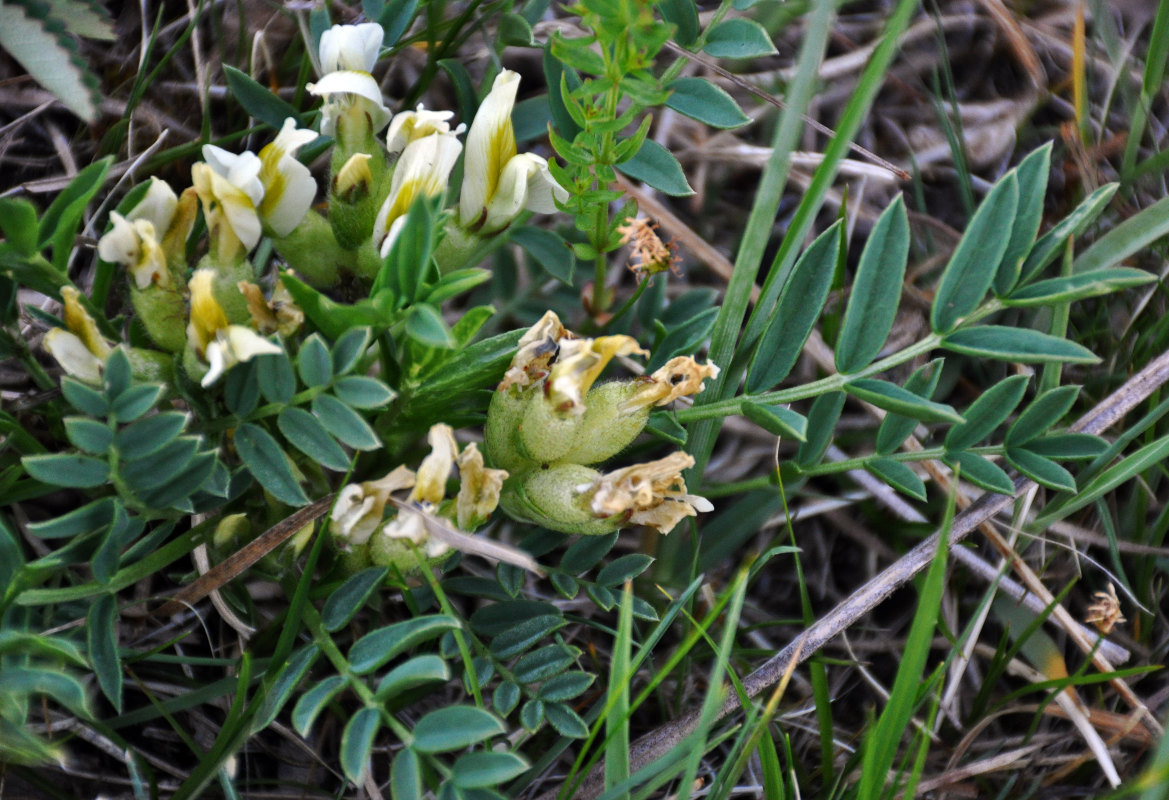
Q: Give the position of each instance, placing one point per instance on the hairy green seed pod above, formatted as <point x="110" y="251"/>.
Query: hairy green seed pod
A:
<point x="163" y="313"/>
<point x="552" y="498"/>
<point x="503" y="419"/>
<point x="607" y="427"/>
<point x="545" y="433"/>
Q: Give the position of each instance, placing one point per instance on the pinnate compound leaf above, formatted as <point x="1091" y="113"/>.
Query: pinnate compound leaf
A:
<point x="357" y="741"/>
<point x="348" y="349"/>
<point x="972" y="267"/>
<point x="379" y="646"/>
<point x="566" y="721"/>
<point x="656" y="166"/>
<point x="71" y="471"/>
<point x="896" y="428"/>
<point x="1069" y="446"/>
<point x="1051" y="244"/>
<point x="308" y="435"/>
<point x="1076" y="287"/>
<point x="897" y="475"/>
<point x="777" y="420"/>
<point x="361" y="391"/>
<point x="892" y="397"/>
<point x="344" y="423"/>
<point x="88" y="434"/>
<point x="101" y="634"/>
<point x="406" y="776"/>
<point x="796" y="312"/>
<point x="981" y="472"/>
<point x="455" y="727"/>
<point x="418" y="671"/>
<point x="518" y="639"/>
<point x="312" y="702"/>
<point x="1042" y="470"/>
<point x="1032" y="175"/>
<point x="1043" y="412"/>
<point x="738" y="37"/>
<point x="268" y="464"/>
<point x="482" y="769"/>
<point x="876" y="291"/>
<point x="700" y="99"/>
<point x="348" y="598"/>
<point x="987" y="412"/>
<point x="314" y="362"/>
<point x="1022" y="345"/>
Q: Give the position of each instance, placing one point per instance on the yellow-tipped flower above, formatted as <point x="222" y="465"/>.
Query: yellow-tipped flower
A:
<point x="354" y="181"/>
<point x="79" y="348"/>
<point x="410" y="126"/>
<point x="218" y="343"/>
<point x="580" y="364"/>
<point x="651" y="494"/>
<point x="360" y="506"/>
<point x="498" y="183"/>
<point x="135" y="240"/>
<point x="422" y="171"/>
<point x="241" y="193"/>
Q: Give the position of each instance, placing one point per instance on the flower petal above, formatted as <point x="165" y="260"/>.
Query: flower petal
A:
<point x="72" y="354"/>
<point x="351" y="47"/>
<point x="157" y="206"/>
<point x="435" y="469"/>
<point x="409" y="126"/>
<point x="246" y="344"/>
<point x="423" y="170"/>
<point x="490" y="145"/>
<point x="358" y="83"/>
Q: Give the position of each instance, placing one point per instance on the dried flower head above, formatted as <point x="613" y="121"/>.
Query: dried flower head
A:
<point x="1105" y="612"/>
<point x="648" y="254"/>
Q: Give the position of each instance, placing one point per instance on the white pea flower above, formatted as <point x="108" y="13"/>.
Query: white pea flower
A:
<point x="409" y="126"/>
<point x="497" y="183"/>
<point x="135" y="240"/>
<point x="422" y="171"/>
<point x="79" y="347"/>
<point x="289" y="187"/>
<point x="221" y="345"/>
<point x="348" y="54"/>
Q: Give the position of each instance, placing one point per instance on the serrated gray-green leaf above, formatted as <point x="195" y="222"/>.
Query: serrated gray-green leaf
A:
<point x="70" y="471"/>
<point x="897" y="475"/>
<point x="876" y="291"/>
<point x="892" y="397"/>
<point x="453" y="728"/>
<point x="972" y="267"/>
<point x="987" y="412"/>
<point x="268" y="464"/>
<point x="1023" y="345"/>
<point x="981" y="472"/>
<point x="795" y="312"/>
<point x="42" y="47"/>
<point x="700" y="99"/>
<point x="308" y="435"/>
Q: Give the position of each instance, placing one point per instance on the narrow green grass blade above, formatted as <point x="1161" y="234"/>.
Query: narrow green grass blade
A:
<point x="617" y="718"/>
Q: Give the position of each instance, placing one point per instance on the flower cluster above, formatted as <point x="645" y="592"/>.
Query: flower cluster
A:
<point x="373" y="528"/>
<point x="548" y="423"/>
